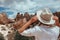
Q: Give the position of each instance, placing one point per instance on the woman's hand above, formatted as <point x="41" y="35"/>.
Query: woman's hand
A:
<point x="34" y="19"/>
<point x="55" y="18"/>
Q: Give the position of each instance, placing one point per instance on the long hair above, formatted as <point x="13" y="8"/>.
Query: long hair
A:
<point x="57" y="14"/>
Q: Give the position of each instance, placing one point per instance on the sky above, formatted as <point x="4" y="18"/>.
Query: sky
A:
<point x="11" y="7"/>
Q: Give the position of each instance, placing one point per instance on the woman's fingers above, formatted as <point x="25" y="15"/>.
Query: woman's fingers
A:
<point x="33" y="19"/>
<point x="55" y="18"/>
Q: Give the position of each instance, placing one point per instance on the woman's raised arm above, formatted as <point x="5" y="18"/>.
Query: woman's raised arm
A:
<point x="32" y="20"/>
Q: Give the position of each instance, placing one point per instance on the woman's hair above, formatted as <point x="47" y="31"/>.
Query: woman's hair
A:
<point x="57" y="14"/>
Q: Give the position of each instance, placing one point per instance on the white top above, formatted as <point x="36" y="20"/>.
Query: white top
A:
<point x="42" y="33"/>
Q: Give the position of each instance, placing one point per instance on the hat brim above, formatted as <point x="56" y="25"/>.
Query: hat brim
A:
<point x="46" y="22"/>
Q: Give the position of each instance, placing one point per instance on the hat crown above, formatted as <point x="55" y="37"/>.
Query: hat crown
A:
<point x="46" y="11"/>
<point x="46" y="15"/>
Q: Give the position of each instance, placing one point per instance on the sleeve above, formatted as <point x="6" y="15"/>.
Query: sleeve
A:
<point x="30" y="32"/>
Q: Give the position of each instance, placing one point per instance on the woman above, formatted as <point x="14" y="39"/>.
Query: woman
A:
<point x="46" y="31"/>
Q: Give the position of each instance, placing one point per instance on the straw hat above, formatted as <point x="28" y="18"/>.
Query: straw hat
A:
<point x="45" y="16"/>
